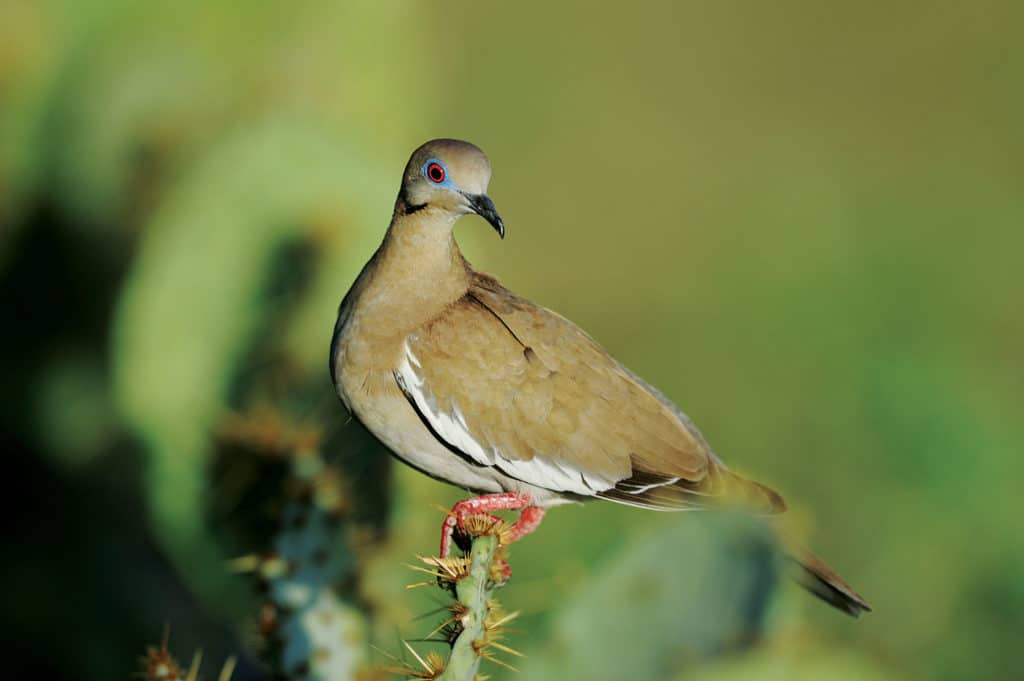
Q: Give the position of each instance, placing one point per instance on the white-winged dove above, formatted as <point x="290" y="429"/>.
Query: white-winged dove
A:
<point x="480" y="388"/>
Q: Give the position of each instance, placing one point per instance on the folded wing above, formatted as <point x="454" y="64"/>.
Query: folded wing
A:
<point x="512" y="385"/>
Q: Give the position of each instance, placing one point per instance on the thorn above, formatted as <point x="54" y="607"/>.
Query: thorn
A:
<point x="450" y="620"/>
<point x="480" y="524"/>
<point x="452" y="569"/>
<point x="432" y="612"/>
<point x="193" y="670"/>
<point x="442" y="509"/>
<point x="501" y="621"/>
<point x="433" y="665"/>
<point x="497" y="661"/>
<point x="417" y="568"/>
<point x="419" y="584"/>
<point x="504" y="648"/>
<point x="384" y="652"/>
<point x="416" y="655"/>
<point x="228" y="669"/>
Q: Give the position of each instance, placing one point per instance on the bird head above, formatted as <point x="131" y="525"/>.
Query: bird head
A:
<point x="451" y="176"/>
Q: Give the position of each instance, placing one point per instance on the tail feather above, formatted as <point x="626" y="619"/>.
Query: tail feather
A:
<point x="813" y="574"/>
<point x="660" y="491"/>
<point x="752" y="495"/>
<point x="721" y="487"/>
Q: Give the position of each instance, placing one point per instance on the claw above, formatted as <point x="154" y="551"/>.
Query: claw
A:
<point x="529" y="517"/>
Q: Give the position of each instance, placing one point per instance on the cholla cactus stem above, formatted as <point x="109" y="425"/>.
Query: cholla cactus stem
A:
<point x="472" y="591"/>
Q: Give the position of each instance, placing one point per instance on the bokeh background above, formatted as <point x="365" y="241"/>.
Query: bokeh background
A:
<point x="802" y="221"/>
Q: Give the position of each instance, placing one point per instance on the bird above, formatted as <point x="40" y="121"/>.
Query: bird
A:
<point x="478" y="387"/>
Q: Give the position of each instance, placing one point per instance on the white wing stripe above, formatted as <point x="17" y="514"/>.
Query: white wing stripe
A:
<point x="453" y="429"/>
<point x="640" y="489"/>
<point x="448" y="428"/>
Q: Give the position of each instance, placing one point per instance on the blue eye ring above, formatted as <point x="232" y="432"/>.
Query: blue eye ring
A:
<point x="435" y="171"/>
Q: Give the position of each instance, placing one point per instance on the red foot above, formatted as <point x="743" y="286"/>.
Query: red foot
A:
<point x="529" y="520"/>
<point x="529" y="517"/>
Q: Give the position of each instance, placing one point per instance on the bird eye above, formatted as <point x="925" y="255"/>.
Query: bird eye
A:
<point x="435" y="171"/>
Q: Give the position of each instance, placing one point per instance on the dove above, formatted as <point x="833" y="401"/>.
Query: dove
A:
<point x="478" y="387"/>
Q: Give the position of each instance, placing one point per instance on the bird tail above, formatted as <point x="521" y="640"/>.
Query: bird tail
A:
<point x="748" y="494"/>
<point x="813" y="574"/>
<point x="809" y="571"/>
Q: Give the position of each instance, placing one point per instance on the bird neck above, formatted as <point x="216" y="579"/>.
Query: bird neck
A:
<point x="419" y="270"/>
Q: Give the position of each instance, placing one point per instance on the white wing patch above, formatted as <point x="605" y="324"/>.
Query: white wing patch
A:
<point x="453" y="429"/>
<point x="630" y="488"/>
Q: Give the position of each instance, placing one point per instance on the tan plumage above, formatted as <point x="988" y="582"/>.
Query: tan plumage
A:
<point x="481" y="388"/>
<point x="549" y="406"/>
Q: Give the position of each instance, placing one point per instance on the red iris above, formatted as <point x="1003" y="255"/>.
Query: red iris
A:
<point x="435" y="171"/>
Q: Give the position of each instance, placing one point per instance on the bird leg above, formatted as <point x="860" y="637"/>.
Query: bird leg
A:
<point x="529" y="516"/>
<point x="529" y="520"/>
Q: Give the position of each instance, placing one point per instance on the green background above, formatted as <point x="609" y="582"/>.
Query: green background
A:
<point x="801" y="221"/>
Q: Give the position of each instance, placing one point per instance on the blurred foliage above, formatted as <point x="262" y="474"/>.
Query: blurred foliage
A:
<point x="803" y="223"/>
<point x="636" y="618"/>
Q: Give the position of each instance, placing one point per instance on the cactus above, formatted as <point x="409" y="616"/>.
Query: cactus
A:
<point x="184" y="343"/>
<point x="691" y="590"/>
<point x="159" y="665"/>
<point x="312" y="620"/>
<point x="312" y="632"/>
<point x="475" y="628"/>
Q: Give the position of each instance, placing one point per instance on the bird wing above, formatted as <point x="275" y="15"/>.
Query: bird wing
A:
<point x="509" y="384"/>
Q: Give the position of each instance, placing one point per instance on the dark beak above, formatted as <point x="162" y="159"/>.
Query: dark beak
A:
<point x="484" y="207"/>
